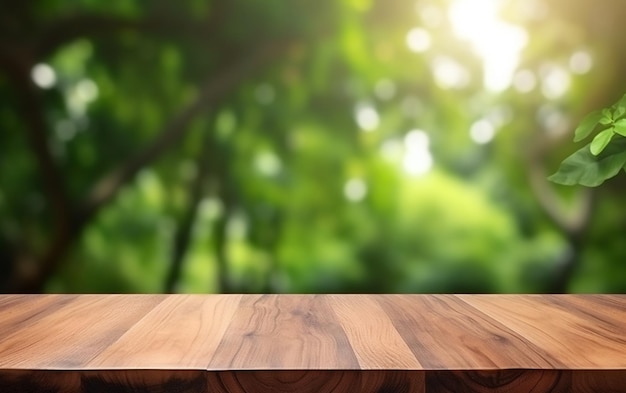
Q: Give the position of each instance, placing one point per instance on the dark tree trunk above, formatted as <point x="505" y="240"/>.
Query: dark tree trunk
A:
<point x="182" y="238"/>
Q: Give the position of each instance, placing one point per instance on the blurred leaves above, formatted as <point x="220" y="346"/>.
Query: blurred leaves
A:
<point x="343" y="147"/>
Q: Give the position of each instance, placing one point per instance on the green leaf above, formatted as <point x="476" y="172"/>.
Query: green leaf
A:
<point x="619" y="108"/>
<point x="620" y="127"/>
<point x="587" y="125"/>
<point x="621" y="102"/>
<point x="588" y="170"/>
<point x="607" y="116"/>
<point x="601" y="141"/>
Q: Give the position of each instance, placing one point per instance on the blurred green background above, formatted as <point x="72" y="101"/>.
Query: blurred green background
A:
<point x="305" y="146"/>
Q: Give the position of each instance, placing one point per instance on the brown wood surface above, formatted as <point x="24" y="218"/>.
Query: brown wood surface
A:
<point x="312" y="343"/>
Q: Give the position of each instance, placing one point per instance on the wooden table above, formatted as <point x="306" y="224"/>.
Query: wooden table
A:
<point x="312" y="343"/>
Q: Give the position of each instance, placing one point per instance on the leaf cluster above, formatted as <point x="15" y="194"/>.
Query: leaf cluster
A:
<point x="604" y="156"/>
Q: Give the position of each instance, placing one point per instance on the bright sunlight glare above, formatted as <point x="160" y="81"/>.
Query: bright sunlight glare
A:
<point x="482" y="131"/>
<point x="498" y="43"/>
<point x="581" y="62"/>
<point x="555" y="81"/>
<point x="267" y="163"/>
<point x="355" y="190"/>
<point x="418" y="40"/>
<point x="449" y="73"/>
<point x="417" y="157"/>
<point x="44" y="76"/>
<point x="366" y="117"/>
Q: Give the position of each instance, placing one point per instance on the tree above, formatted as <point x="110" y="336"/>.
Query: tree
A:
<point x="31" y="38"/>
<point x="302" y="147"/>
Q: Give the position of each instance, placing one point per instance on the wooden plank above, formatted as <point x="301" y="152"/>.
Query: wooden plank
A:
<point x="103" y="381"/>
<point x="375" y="341"/>
<point x="525" y="381"/>
<point x="184" y="381"/>
<point x="284" y="332"/>
<point x="312" y="381"/>
<point x="70" y="333"/>
<point x="312" y="343"/>
<point x="144" y="381"/>
<point x="40" y="381"/>
<point x="594" y="381"/>
<point x="445" y="334"/>
<point x="498" y="381"/>
<point x="20" y="311"/>
<point x="182" y="332"/>
<point x="317" y="381"/>
<point x="577" y="337"/>
<point x="604" y="310"/>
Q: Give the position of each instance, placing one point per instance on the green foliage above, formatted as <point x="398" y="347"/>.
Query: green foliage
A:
<point x="605" y="156"/>
<point x="343" y="147"/>
<point x="587" y="125"/>
<point x="588" y="169"/>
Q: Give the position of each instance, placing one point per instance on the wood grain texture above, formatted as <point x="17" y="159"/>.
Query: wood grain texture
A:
<point x="444" y="333"/>
<point x="70" y="331"/>
<point x="177" y="381"/>
<point x="317" y="381"/>
<point x="498" y="381"/>
<point x="40" y="381"/>
<point x="104" y="381"/>
<point x="284" y="332"/>
<point x="575" y="336"/>
<point x="143" y="381"/>
<point x="313" y="343"/>
<point x="375" y="341"/>
<point x="182" y="332"/>
<point x="531" y="381"/>
<point x="20" y="311"/>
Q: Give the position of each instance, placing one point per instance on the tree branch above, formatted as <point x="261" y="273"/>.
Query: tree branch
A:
<point x="182" y="237"/>
<point x="215" y="89"/>
<point x="32" y="112"/>
<point x="27" y="269"/>
<point x="73" y="27"/>
<point x="32" y="278"/>
<point x="572" y="225"/>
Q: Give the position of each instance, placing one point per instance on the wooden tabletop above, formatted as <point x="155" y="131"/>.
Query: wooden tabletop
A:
<point x="313" y="343"/>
